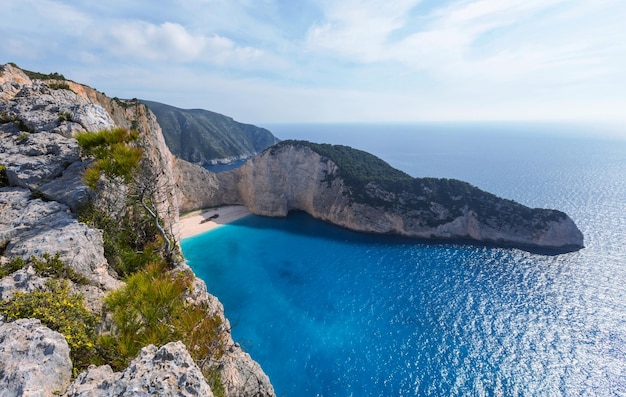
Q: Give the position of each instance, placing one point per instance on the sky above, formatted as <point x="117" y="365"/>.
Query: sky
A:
<point x="272" y="61"/>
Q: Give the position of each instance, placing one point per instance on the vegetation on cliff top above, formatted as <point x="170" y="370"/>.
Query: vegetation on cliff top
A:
<point x="355" y="166"/>
<point x="153" y="306"/>
<point x="113" y="153"/>
<point x="63" y="311"/>
<point x="374" y="182"/>
<point x="39" y="76"/>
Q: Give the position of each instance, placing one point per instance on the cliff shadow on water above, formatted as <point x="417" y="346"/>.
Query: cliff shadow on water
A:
<point x="298" y="222"/>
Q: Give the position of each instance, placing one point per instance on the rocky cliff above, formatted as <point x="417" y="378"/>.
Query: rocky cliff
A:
<point x="358" y="191"/>
<point x="42" y="190"/>
<point x="206" y="138"/>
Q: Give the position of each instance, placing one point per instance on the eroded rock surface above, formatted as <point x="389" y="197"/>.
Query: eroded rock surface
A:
<point x="34" y="360"/>
<point x="240" y="374"/>
<point x="165" y="371"/>
<point x="34" y="227"/>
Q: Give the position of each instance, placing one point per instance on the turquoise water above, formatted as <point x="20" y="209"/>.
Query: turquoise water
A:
<point x="331" y="312"/>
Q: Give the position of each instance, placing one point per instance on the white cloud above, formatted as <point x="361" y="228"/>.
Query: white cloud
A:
<point x="359" y="28"/>
<point x="446" y="43"/>
<point x="172" y="42"/>
<point x="336" y="60"/>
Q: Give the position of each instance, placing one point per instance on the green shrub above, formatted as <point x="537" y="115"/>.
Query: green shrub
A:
<point x="130" y="243"/>
<point x="38" y="194"/>
<point x="114" y="156"/>
<point x="23" y="136"/>
<point x="53" y="266"/>
<point x="151" y="309"/>
<point x="65" y="115"/>
<point x="13" y="265"/>
<point x="4" y="179"/>
<point x="6" y="118"/>
<point x="60" y="310"/>
<point x="41" y="76"/>
<point x="59" y="86"/>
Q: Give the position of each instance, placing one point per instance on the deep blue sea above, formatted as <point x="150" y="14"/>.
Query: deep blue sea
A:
<point x="329" y="312"/>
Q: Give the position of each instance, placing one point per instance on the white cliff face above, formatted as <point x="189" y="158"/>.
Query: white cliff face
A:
<point x="274" y="188"/>
<point x="196" y="187"/>
<point x="295" y="177"/>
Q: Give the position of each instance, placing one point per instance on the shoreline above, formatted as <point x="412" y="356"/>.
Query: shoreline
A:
<point x="200" y="221"/>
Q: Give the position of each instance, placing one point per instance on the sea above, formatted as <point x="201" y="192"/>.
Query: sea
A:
<point x="331" y="312"/>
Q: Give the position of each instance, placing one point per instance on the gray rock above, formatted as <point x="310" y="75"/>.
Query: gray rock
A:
<point x="69" y="188"/>
<point x="91" y="117"/>
<point x="34" y="360"/>
<point x="39" y="108"/>
<point x="34" y="159"/>
<point x="34" y="227"/>
<point x="242" y="376"/>
<point x="165" y="371"/>
<point x="23" y="280"/>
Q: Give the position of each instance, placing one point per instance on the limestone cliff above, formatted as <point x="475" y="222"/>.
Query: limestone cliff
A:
<point x="41" y="190"/>
<point x="367" y="195"/>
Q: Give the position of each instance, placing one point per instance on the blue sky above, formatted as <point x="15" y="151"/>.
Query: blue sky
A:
<point x="263" y="61"/>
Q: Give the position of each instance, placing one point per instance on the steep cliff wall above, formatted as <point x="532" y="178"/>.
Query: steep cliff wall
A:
<point x="41" y="190"/>
<point x="295" y="176"/>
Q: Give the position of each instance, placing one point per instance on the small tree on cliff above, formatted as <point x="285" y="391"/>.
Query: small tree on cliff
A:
<point x="125" y="191"/>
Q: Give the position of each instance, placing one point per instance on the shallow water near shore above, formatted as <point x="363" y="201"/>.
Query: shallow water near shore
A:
<point x="330" y="312"/>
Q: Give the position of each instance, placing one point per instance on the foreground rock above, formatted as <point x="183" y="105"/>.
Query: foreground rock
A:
<point x="31" y="226"/>
<point x="166" y="371"/>
<point x="368" y="195"/>
<point x="34" y="360"/>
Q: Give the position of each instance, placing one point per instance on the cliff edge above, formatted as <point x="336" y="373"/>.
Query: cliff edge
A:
<point x="59" y="266"/>
<point x="357" y="190"/>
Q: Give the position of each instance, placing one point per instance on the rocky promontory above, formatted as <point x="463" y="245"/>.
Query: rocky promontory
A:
<point x="356" y="190"/>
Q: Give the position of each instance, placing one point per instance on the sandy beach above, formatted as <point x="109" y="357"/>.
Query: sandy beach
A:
<point x="204" y="220"/>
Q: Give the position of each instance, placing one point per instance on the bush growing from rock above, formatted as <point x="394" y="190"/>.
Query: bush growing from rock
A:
<point x="115" y="158"/>
<point x="12" y="266"/>
<point x="59" y="86"/>
<point x="65" y="116"/>
<point x="53" y="266"/>
<point x="4" y="179"/>
<point x="60" y="310"/>
<point x="151" y="309"/>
